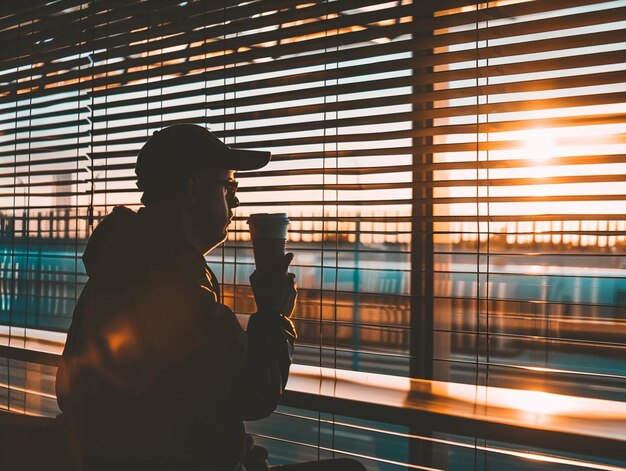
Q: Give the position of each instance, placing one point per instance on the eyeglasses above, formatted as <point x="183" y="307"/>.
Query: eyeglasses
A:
<point x="231" y="189"/>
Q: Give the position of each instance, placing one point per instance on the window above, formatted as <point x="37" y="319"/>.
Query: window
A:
<point x="454" y="173"/>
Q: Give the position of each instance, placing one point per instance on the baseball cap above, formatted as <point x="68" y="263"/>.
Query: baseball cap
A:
<point x="177" y="151"/>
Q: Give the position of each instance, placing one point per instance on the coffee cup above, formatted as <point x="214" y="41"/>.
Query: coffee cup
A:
<point x="268" y="232"/>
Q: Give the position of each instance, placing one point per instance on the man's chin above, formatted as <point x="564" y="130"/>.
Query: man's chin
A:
<point x="217" y="241"/>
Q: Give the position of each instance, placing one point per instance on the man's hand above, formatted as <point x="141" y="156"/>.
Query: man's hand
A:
<point x="275" y="291"/>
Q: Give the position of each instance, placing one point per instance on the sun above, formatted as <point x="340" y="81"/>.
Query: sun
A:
<point x="541" y="144"/>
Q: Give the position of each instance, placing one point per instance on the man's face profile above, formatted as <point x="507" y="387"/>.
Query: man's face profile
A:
<point x="212" y="201"/>
<point x="183" y="171"/>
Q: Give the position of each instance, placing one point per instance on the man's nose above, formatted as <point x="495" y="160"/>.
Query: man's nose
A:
<point x="233" y="202"/>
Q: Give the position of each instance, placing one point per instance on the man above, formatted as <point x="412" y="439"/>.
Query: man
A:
<point x="156" y="372"/>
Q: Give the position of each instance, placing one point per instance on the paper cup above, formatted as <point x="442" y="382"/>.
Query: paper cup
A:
<point x="268" y="233"/>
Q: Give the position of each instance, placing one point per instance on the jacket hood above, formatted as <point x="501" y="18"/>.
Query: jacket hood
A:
<point x="120" y="247"/>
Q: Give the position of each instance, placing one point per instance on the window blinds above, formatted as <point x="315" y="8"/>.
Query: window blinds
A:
<point x="529" y="195"/>
<point x="453" y="171"/>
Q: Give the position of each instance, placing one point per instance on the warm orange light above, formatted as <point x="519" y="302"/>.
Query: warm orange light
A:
<point x="532" y="402"/>
<point x="541" y="144"/>
<point x="121" y="339"/>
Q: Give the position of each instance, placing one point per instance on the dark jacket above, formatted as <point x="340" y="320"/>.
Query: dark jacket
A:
<point x="156" y="372"/>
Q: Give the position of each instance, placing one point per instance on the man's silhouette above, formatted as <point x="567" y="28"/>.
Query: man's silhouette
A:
<point x="156" y="373"/>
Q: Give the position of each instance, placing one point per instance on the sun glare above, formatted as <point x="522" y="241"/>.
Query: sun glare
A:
<point x="532" y="402"/>
<point x="541" y="144"/>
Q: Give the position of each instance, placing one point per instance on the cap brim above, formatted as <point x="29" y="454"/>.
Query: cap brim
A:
<point x="244" y="159"/>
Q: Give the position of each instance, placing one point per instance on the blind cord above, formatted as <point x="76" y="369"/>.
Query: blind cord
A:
<point x="488" y="242"/>
<point x="90" y="208"/>
<point x="477" y="307"/>
<point x="235" y="53"/>
<point x="76" y="218"/>
<point x="106" y="133"/>
<point x="26" y="220"/>
<point x="336" y="217"/>
<point x="13" y="264"/>
<point x="223" y="272"/>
